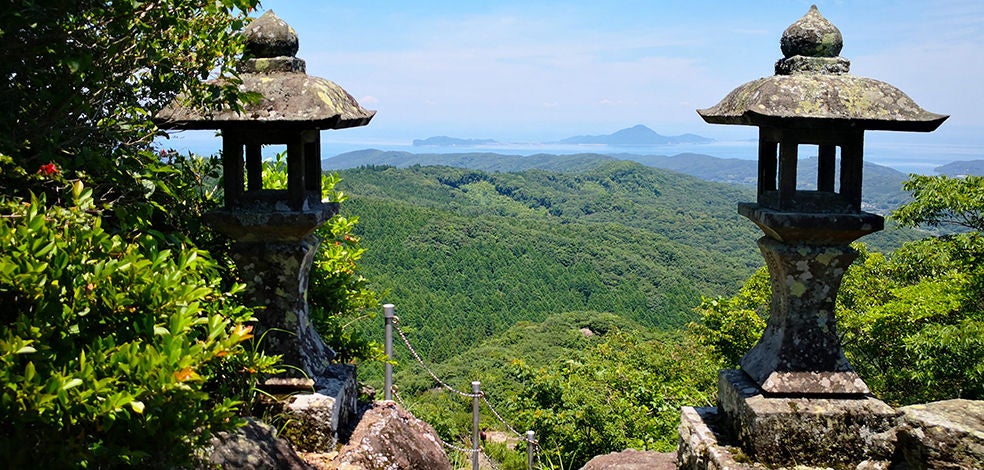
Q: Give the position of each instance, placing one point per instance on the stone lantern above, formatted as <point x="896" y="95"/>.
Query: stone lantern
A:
<point x="274" y="229"/>
<point x="796" y="398"/>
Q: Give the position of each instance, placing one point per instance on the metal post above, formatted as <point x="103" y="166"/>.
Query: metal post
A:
<point x="530" y="438"/>
<point x="477" y="390"/>
<point x="388" y="318"/>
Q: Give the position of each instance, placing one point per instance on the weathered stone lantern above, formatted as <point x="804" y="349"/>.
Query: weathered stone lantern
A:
<point x="274" y="228"/>
<point x="796" y="398"/>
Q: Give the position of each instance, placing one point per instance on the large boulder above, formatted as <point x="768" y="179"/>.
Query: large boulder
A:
<point x="253" y="446"/>
<point x="944" y="434"/>
<point x="632" y="459"/>
<point x="390" y="438"/>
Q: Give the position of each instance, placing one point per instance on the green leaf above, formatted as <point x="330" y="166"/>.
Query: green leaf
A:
<point x="137" y="406"/>
<point x="75" y="382"/>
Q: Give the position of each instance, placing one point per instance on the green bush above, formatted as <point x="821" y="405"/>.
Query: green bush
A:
<point x="108" y="346"/>
<point x="624" y="392"/>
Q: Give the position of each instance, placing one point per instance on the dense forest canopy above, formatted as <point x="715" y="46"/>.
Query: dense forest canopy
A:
<point x="464" y="254"/>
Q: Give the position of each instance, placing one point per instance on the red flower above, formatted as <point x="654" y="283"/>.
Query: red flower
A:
<point x="48" y="169"/>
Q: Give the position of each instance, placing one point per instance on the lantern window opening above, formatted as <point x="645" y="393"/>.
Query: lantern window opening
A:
<point x="828" y="158"/>
<point x="243" y="168"/>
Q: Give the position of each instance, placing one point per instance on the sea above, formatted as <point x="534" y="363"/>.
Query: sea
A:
<point x="908" y="155"/>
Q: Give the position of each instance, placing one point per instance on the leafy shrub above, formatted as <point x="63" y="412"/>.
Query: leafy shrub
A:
<point x="625" y="392"/>
<point x="108" y="346"/>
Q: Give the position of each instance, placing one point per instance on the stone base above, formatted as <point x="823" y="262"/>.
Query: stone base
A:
<point x="705" y="444"/>
<point x="320" y="421"/>
<point x="833" y="431"/>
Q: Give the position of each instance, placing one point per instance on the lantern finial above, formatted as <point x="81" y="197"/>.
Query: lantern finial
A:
<point x="812" y="45"/>
<point x="812" y="36"/>
<point x="269" y="36"/>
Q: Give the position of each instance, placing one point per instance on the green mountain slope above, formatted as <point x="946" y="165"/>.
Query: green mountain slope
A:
<point x="465" y="254"/>
<point x="882" y="189"/>
<point x="475" y="160"/>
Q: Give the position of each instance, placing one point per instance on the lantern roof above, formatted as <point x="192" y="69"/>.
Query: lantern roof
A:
<point x="290" y="98"/>
<point x="812" y="88"/>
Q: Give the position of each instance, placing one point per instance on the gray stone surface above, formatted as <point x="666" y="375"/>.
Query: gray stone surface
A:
<point x="945" y="434"/>
<point x="290" y="96"/>
<point x="812" y="85"/>
<point x="390" y="438"/>
<point x="276" y="276"/>
<point x="704" y="443"/>
<point x="799" y="351"/>
<point x="810" y="431"/>
<point x="812" y="36"/>
<point x="317" y="422"/>
<point x="253" y="446"/>
<point x="817" y="227"/>
<point x="632" y="459"/>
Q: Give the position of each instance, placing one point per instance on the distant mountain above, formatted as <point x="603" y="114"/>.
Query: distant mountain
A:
<point x="445" y="141"/>
<point x="636" y="135"/>
<point x="971" y="167"/>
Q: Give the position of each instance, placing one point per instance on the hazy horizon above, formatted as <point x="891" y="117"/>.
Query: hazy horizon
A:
<point x="541" y="71"/>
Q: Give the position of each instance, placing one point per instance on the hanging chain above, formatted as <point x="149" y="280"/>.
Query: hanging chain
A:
<point x="501" y="420"/>
<point x="416" y="355"/>
<point x="459" y="449"/>
<point x="396" y="324"/>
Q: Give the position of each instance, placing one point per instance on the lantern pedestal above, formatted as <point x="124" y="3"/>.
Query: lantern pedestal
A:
<point x="807" y="255"/>
<point x="274" y="251"/>
<point x="804" y="431"/>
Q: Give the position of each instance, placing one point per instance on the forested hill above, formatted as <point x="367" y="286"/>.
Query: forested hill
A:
<point x="486" y="161"/>
<point x="882" y="190"/>
<point x="464" y="254"/>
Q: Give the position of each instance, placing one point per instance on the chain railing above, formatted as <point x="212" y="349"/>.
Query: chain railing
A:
<point x="392" y="322"/>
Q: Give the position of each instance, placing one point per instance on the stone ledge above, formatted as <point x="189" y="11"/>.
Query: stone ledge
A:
<point x="943" y="434"/>
<point x="705" y="445"/>
<point x="811" y="431"/>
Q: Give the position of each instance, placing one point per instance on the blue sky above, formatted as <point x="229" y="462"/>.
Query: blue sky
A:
<point x="531" y="70"/>
<point x="549" y="69"/>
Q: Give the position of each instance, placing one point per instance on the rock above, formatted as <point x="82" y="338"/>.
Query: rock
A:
<point x="310" y="423"/>
<point x="319" y="421"/>
<point x="390" y="438"/>
<point x="339" y="381"/>
<point x="944" y="434"/>
<point x="253" y="446"/>
<point x="632" y="459"/>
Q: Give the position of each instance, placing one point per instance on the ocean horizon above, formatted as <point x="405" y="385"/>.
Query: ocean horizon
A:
<point x="904" y="156"/>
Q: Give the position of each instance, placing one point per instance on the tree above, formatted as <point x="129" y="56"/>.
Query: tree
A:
<point x="623" y="392"/>
<point x="119" y="345"/>
<point x="109" y="347"/>
<point x="730" y="327"/>
<point x="941" y="200"/>
<point x="81" y="79"/>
